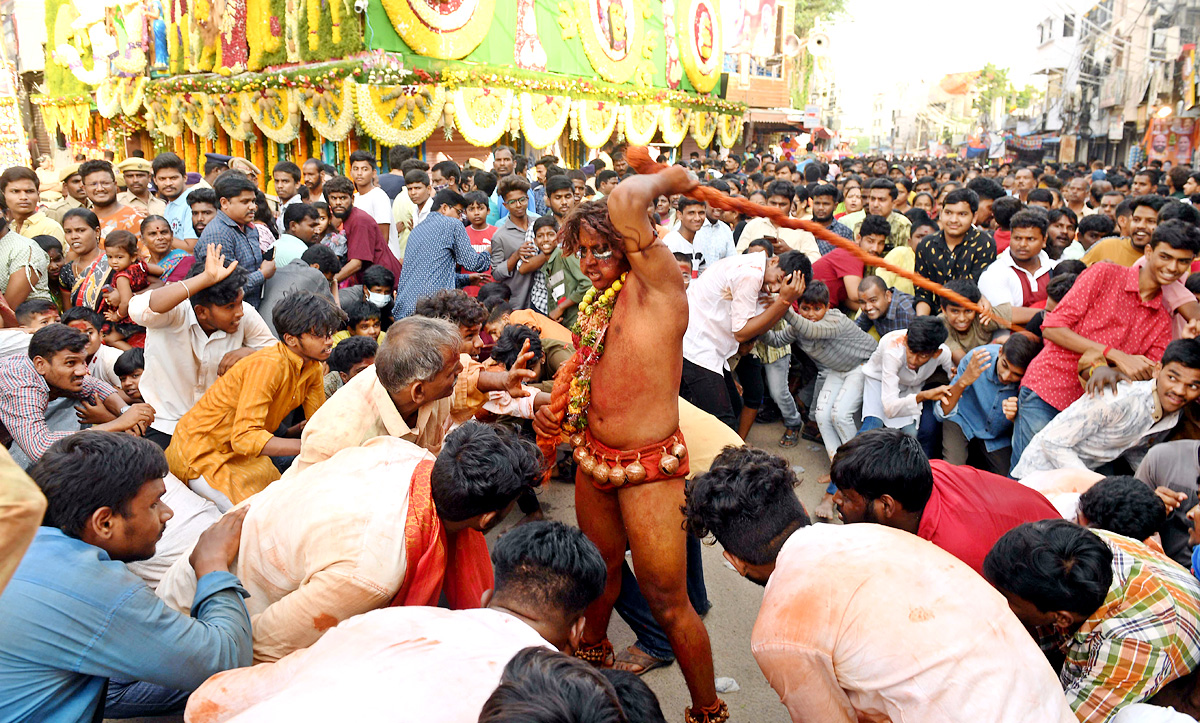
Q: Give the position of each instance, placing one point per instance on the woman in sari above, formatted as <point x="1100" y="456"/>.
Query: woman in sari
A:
<point x="85" y="276"/>
<point x="163" y="259"/>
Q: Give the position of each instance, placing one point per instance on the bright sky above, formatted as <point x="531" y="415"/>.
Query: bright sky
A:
<point x="881" y="41"/>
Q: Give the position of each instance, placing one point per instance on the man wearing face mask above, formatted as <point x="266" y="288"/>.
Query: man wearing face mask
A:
<point x="378" y="287"/>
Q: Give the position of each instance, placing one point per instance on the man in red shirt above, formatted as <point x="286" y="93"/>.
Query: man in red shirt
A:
<point x="365" y="245"/>
<point x="882" y="476"/>
<point x="1114" y="313"/>
<point x="842" y="271"/>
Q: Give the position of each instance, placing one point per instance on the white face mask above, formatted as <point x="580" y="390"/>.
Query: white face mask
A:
<point x="379" y="300"/>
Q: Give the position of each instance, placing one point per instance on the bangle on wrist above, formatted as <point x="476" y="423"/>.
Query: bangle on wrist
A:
<point x="1107" y="349"/>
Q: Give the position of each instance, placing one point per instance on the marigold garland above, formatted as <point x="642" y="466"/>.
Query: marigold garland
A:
<point x="275" y="112"/>
<point x="674" y="124"/>
<point x="595" y="121"/>
<point x="434" y="34"/>
<point x="108" y="98"/>
<point x="400" y="115"/>
<point x="163" y="118"/>
<point x="196" y="109"/>
<point x="615" y="57"/>
<point x="702" y="49"/>
<point x="543" y="118"/>
<point x="595" y="313"/>
<point x="729" y="128"/>
<point x="329" y="111"/>
<point x="482" y="115"/>
<point x="704" y="127"/>
<point x="234" y="117"/>
<point x="132" y="91"/>
<point x="640" y="123"/>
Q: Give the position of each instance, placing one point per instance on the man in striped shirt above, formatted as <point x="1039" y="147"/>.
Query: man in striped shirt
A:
<point x="1125" y="618"/>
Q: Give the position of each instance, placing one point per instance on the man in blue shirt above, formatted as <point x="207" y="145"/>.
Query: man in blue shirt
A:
<point x="981" y="406"/>
<point x="233" y="230"/>
<point x="75" y="621"/>
<point x="170" y="179"/>
<point x="436" y="247"/>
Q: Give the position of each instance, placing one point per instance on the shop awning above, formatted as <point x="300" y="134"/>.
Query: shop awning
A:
<point x="777" y="117"/>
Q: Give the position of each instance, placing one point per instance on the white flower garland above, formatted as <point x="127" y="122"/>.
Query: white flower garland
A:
<point x="371" y="104"/>
<point x="540" y="136"/>
<point x="132" y="91"/>
<point x="596" y="135"/>
<point x="635" y="134"/>
<point x="730" y="129"/>
<point x="329" y="113"/>
<point x="487" y="131"/>
<point x="674" y="125"/>
<point x="289" y="128"/>
<point x="108" y="98"/>
<point x="197" y="113"/>
<point x="704" y="127"/>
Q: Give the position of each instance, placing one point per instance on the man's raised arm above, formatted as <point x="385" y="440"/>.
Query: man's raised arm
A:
<point x="628" y="206"/>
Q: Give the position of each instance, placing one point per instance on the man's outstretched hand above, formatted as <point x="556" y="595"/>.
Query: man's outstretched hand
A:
<point x="514" y="383"/>
<point x="547" y="423"/>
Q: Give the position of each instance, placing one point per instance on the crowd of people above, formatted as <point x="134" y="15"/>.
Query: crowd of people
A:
<point x="205" y="392"/>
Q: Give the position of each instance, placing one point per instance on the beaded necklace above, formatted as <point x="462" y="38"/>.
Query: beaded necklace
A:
<point x="595" y="313"/>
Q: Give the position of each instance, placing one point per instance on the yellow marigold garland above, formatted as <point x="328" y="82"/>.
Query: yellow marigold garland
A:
<point x="674" y="125"/>
<point x="482" y="115"/>
<point x="163" y="117"/>
<point x="132" y="93"/>
<point x="234" y="117"/>
<point x="196" y="109"/>
<point x="640" y="121"/>
<point x="729" y="128"/>
<point x="543" y="118"/>
<point x="399" y="115"/>
<point x="617" y="59"/>
<point x="596" y="120"/>
<point x="275" y="111"/>
<point x="108" y="98"/>
<point x="434" y="35"/>
<point x="704" y="127"/>
<point x="703" y="73"/>
<point x="330" y="111"/>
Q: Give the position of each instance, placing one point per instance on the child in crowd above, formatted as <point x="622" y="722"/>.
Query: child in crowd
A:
<point x="203" y="205"/>
<point x="54" y="250"/>
<point x="129" y="367"/>
<point x="685" y="267"/>
<point x="328" y="233"/>
<point x="129" y="276"/>
<point x="348" y="359"/>
<point x="978" y="413"/>
<point x="363" y="320"/>
<point x="479" y="231"/>
<point x="966" y="328"/>
<point x="897" y="371"/>
<point x="1003" y="209"/>
<point x="842" y="271"/>
<point x="839" y="348"/>
<point x="1091" y="229"/>
<point x="101" y="358"/>
<point x="565" y="283"/>
<point x="164" y="260"/>
<point x="33" y="314"/>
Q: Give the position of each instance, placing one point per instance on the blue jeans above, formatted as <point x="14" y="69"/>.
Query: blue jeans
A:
<point x="777" y="385"/>
<point x="135" y="699"/>
<point x="635" y="611"/>
<point x="1033" y="413"/>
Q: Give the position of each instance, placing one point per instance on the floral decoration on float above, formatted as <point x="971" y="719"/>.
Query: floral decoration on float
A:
<point x="543" y="118"/>
<point x="108" y="97"/>
<point x="132" y="93"/>
<point x="400" y="115"/>
<point x="674" y="124"/>
<point x="163" y="118"/>
<point x="704" y="127"/>
<point x="196" y="109"/>
<point x="612" y="32"/>
<point x="275" y="111"/>
<point x="234" y="116"/>
<point x="700" y="41"/>
<point x="447" y="29"/>
<point x="329" y="110"/>
<point x="482" y="115"/>
<point x="595" y="121"/>
<point x="639" y="123"/>
<point x="729" y="129"/>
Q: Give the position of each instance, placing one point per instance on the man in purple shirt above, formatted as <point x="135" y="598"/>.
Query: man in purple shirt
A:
<point x="365" y="246"/>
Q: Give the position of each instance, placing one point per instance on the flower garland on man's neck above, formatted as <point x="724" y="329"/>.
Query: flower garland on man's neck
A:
<point x="595" y="313"/>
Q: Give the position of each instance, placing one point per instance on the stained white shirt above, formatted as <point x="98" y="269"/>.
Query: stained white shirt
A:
<point x="720" y="303"/>
<point x="182" y="361"/>
<point x="1096" y="430"/>
<point x="891" y="388"/>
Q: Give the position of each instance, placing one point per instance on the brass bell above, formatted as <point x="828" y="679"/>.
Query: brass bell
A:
<point x="579" y="454"/>
<point x="679" y="451"/>
<point x="635" y="472"/>
<point x="616" y="475"/>
<point x="577" y="440"/>
<point x="600" y="472"/>
<point x="587" y="464"/>
<point x="669" y="464"/>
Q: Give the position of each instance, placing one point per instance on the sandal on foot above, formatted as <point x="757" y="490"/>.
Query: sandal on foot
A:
<point x="598" y="655"/>
<point x="635" y="661"/>
<point x="790" y="438"/>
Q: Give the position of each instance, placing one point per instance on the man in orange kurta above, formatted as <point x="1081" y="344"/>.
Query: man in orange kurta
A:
<point x="228" y="438"/>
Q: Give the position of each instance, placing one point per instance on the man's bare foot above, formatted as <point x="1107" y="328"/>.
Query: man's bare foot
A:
<point x="635" y="661"/>
<point x="825" y="511"/>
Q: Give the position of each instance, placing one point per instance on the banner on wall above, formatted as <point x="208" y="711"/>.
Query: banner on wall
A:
<point x="1171" y="139"/>
<point x="750" y="27"/>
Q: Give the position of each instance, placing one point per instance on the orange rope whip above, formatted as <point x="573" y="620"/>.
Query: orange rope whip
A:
<point x="638" y="158"/>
